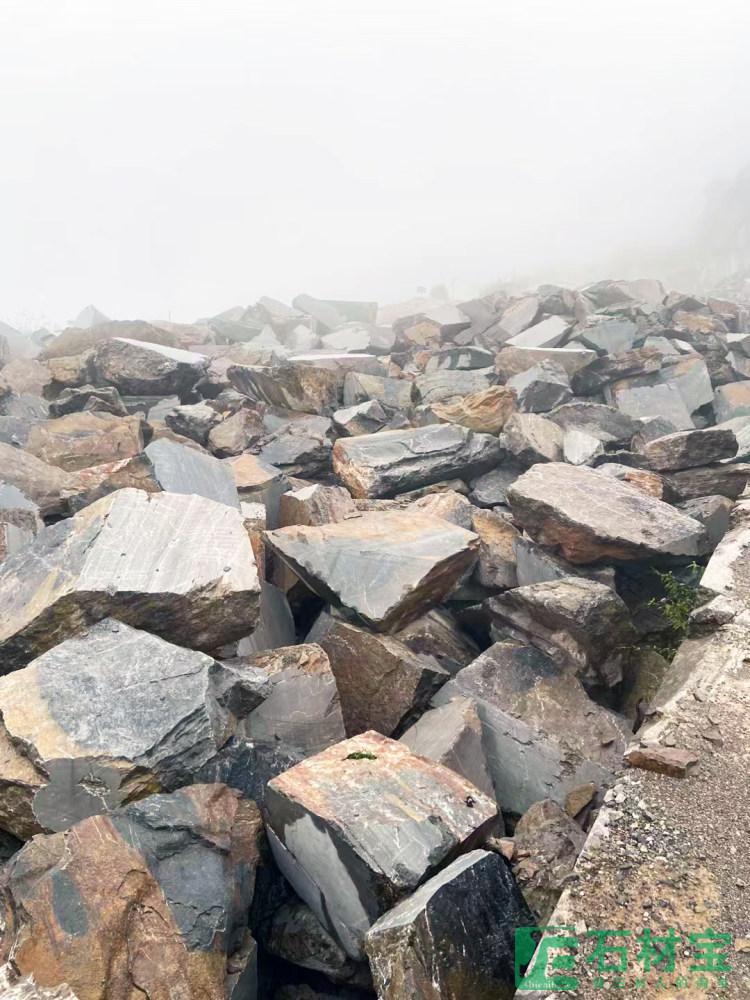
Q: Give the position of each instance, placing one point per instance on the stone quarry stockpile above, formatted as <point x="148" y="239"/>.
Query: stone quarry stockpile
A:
<point x="342" y="646"/>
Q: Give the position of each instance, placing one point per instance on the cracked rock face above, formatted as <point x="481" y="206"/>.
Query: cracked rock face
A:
<point x="589" y="516"/>
<point x="178" y="469"/>
<point x="149" y="900"/>
<point x="109" y="715"/>
<point x="118" y="558"/>
<point x="136" y="368"/>
<point x="387" y="567"/>
<point x="80" y="440"/>
<point x="454" y="938"/>
<point x="362" y="824"/>
<point x="542" y="734"/>
<point x="391" y="462"/>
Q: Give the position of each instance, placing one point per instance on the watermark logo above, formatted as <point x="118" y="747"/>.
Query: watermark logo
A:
<point x="550" y="964"/>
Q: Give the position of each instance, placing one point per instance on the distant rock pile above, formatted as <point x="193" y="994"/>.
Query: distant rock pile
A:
<point x="325" y="629"/>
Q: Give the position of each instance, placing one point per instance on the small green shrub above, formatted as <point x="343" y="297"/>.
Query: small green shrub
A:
<point x="679" y="600"/>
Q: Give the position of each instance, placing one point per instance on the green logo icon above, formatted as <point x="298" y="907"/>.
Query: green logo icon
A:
<point x="537" y="977"/>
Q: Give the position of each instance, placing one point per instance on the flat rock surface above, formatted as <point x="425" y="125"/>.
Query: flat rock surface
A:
<point x="590" y="516"/>
<point x="386" y="567"/>
<point x="118" y="558"/>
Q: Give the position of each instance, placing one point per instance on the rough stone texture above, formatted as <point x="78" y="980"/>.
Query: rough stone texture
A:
<point x="448" y="387"/>
<point x="235" y="434"/>
<point x="83" y="723"/>
<point x="193" y="421"/>
<point x="535" y="564"/>
<point x="491" y="489"/>
<point x="290" y="386"/>
<point x="591" y="516"/>
<point x="386" y="567"/>
<point x="301" y="447"/>
<point x="118" y="558"/>
<point x="583" y="625"/>
<point x="14" y="986"/>
<point x="248" y="766"/>
<point x="87" y="485"/>
<point x="512" y="360"/>
<point x="393" y="462"/>
<point x="531" y="439"/>
<point x="732" y="400"/>
<point x="655" y="401"/>
<point x="364" y="418"/>
<point x="20" y="520"/>
<point x="728" y="570"/>
<point x="610" y="337"/>
<point x="87" y="397"/>
<point x="362" y="824"/>
<point x="438" y="634"/>
<point x="520" y="315"/>
<point x="84" y="439"/>
<point x="548" y="333"/>
<point x="259" y="481"/>
<point x="178" y="469"/>
<point x="298" y="703"/>
<point x="452" y="736"/>
<point x="664" y="760"/>
<point x="541" y="388"/>
<point x="713" y="512"/>
<point x="580" y="448"/>
<point x="687" y="449"/>
<point x="496" y="566"/>
<point x="604" y="423"/>
<point x="382" y="684"/>
<point x="547" y="843"/>
<point x="392" y="393"/>
<point x="73" y="341"/>
<point x="454" y="938"/>
<point x="296" y="935"/>
<point x="149" y="900"/>
<point x="650" y="483"/>
<point x="485" y="412"/>
<point x="723" y="479"/>
<point x="42" y="483"/>
<point x="542" y="734"/>
<point x="315" y="505"/>
<point x="611" y="368"/>
<point x="145" y="369"/>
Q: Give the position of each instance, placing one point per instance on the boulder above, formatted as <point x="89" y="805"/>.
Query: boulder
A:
<point x="496" y="566"/>
<point x="118" y="558"/>
<point x="84" y="729"/>
<point x="437" y="633"/>
<point x="73" y="341"/>
<point x="591" y="517"/>
<point x="193" y="421"/>
<point x="687" y="449"/>
<point x="81" y="440"/>
<point x="647" y="482"/>
<point x="485" y="412"/>
<point x="382" y="684"/>
<point x="289" y="386"/>
<point x="248" y="766"/>
<point x="531" y="439"/>
<point x="512" y="360"/>
<point x="14" y="986"/>
<point x="549" y="333"/>
<point x="727" y="569"/>
<point x="452" y="736"/>
<point x="732" y="400"/>
<point x="542" y="735"/>
<point x="386" y="567"/>
<point x="178" y="469"/>
<point x="259" y="481"/>
<point x="287" y="695"/>
<point x="41" y="483"/>
<point x="535" y="564"/>
<point x="449" y="387"/>
<point x="723" y="479"/>
<point x="315" y="505"/>
<point x="136" y="368"/>
<point x="296" y="935"/>
<point x="581" y="448"/>
<point x="362" y="824"/>
<point x="454" y="938"/>
<point x="25" y="376"/>
<point x="467" y="358"/>
<point x="490" y="489"/>
<point x="583" y="625"/>
<point x="611" y="336"/>
<point x="392" y="393"/>
<point x="610" y="368"/>
<point x="713" y="512"/>
<point x="148" y="900"/>
<point x="301" y="447"/>
<point x="363" y="418"/>
<point x="102" y="400"/>
<point x="606" y="424"/>
<point x="541" y="387"/>
<point x="449" y="504"/>
<point x="655" y="401"/>
<point x="520" y="315"/>
<point x="393" y="462"/>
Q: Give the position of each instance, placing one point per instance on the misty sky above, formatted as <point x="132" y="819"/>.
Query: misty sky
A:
<point x="175" y="157"/>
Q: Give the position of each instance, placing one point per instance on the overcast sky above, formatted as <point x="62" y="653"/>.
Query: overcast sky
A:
<point x="173" y="157"/>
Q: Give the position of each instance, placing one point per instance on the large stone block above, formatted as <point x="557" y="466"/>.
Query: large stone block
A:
<point x="136" y="368"/>
<point x="387" y="567"/>
<point x="362" y="824"/>
<point x="178" y="469"/>
<point x="180" y="566"/>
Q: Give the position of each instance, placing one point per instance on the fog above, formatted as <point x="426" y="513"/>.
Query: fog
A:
<point x="174" y="159"/>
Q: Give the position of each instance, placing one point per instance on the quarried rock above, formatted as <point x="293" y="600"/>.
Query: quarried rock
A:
<point x="541" y="388"/>
<point x="19" y="519"/>
<point x="178" y="469"/>
<point x="604" y="423"/>
<point x="81" y="440"/>
<point x="290" y="386"/>
<point x="193" y="421"/>
<point x="452" y="736"/>
<point x="382" y="684"/>
<point x="531" y="438"/>
<point x="547" y="844"/>
<point x="87" y="397"/>
<point x="118" y="558"/>
<point x="542" y="734"/>
<point x="150" y="900"/>
<point x="723" y="479"/>
<point x="454" y="938"/>
<point x="386" y="567"/>
<point x="296" y="935"/>
<point x="583" y="625"/>
<point x="314" y="505"/>
<point x="137" y="368"/>
<point x="43" y="484"/>
<point x="393" y="462"/>
<point x="591" y="516"/>
<point x="687" y="449"/>
<point x="361" y="825"/>
<point x="485" y="412"/>
<point x="732" y="400"/>
<point x="105" y="717"/>
<point x="364" y="418"/>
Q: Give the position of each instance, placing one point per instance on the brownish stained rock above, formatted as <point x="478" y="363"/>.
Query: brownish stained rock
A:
<point x="485" y="411"/>
<point x="664" y="760"/>
<point x="83" y="439"/>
